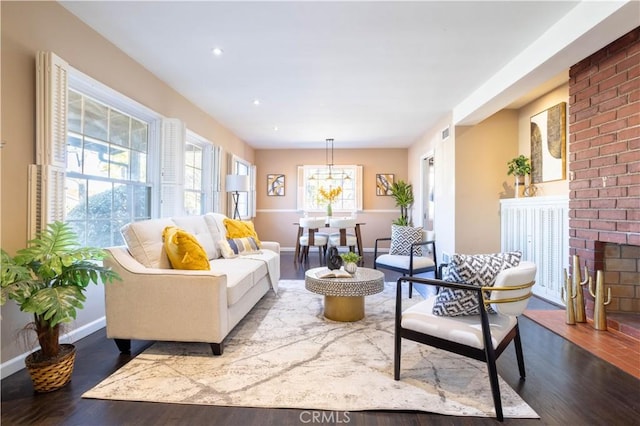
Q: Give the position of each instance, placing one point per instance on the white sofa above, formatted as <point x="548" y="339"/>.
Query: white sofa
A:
<point x="155" y="302"/>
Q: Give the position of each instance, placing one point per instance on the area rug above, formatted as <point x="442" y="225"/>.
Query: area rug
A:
<point x="285" y="354"/>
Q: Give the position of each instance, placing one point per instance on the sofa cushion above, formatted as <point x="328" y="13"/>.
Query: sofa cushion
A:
<point x="198" y="227"/>
<point x="240" y="228"/>
<point x="144" y="240"/>
<point x="242" y="275"/>
<point x="479" y="270"/>
<point x="183" y="250"/>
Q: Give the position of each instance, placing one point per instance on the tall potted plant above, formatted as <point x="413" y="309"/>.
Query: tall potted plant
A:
<point x="519" y="167"/>
<point x="402" y="192"/>
<point x="49" y="279"/>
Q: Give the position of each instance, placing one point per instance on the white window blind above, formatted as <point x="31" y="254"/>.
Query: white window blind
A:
<point x="46" y="177"/>
<point x="172" y="174"/>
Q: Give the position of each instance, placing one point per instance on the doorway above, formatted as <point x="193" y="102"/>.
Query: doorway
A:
<point x="428" y="185"/>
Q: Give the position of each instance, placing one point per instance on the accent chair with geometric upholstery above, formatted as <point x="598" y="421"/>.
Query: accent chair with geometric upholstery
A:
<point x="412" y="252"/>
<point x="483" y="336"/>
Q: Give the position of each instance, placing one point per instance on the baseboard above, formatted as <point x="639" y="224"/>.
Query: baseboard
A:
<point x="16" y="364"/>
<point x="293" y="249"/>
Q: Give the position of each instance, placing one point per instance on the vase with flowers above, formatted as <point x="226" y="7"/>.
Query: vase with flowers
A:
<point x="329" y="196"/>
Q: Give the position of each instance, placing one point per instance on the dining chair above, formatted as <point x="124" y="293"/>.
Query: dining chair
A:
<point x="311" y="237"/>
<point x="346" y="236"/>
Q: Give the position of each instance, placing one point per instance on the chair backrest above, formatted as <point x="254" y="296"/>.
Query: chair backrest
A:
<point x="342" y="222"/>
<point x="522" y="275"/>
<point x="312" y="222"/>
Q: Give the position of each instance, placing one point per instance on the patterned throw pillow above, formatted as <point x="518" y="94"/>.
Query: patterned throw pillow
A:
<point x="245" y="245"/>
<point x="401" y="239"/>
<point x="184" y="250"/>
<point x="480" y="270"/>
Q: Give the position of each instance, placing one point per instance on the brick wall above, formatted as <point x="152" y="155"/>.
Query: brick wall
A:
<point x="604" y="150"/>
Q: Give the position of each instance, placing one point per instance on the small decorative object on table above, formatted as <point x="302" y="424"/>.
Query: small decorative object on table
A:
<point x="334" y="261"/>
<point x="330" y="196"/>
<point x="350" y="260"/>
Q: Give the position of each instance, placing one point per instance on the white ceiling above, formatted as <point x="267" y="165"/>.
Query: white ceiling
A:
<point x="368" y="74"/>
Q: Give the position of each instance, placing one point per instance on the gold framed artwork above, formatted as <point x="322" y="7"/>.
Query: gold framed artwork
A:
<point x="384" y="181"/>
<point x="549" y="144"/>
<point x="275" y="185"/>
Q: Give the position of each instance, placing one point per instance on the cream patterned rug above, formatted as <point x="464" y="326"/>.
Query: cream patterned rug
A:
<point x="285" y="354"/>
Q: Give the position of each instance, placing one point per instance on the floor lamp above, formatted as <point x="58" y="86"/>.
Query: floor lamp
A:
<point x="236" y="184"/>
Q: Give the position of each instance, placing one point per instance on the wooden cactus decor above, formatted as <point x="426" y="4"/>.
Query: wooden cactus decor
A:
<point x="577" y="289"/>
<point x="599" y="311"/>
<point x="568" y="295"/>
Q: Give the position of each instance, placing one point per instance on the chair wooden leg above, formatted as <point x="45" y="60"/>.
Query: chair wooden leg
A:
<point x="519" y="355"/>
<point x="397" y="348"/>
<point x="495" y="387"/>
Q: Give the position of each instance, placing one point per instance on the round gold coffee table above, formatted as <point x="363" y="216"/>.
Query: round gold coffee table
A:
<point x="344" y="297"/>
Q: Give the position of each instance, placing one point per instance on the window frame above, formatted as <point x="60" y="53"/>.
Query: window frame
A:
<point x="306" y="169"/>
<point x="98" y="92"/>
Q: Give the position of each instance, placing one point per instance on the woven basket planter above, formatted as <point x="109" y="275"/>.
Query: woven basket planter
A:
<point x="51" y="375"/>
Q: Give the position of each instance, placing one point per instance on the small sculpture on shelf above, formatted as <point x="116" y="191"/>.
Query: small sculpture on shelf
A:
<point x="334" y="261"/>
<point x="599" y="311"/>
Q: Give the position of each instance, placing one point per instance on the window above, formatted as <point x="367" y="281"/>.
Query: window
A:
<point x="200" y="169"/>
<point x="99" y="163"/>
<point x="106" y="184"/>
<point x="312" y="178"/>
<point x="246" y="200"/>
<point x="193" y="189"/>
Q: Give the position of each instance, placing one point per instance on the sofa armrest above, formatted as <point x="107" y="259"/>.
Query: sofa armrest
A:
<point x="164" y="304"/>
<point x="271" y="245"/>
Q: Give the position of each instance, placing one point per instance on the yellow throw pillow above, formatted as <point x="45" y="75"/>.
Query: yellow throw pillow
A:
<point x="184" y="250"/>
<point x="241" y="229"/>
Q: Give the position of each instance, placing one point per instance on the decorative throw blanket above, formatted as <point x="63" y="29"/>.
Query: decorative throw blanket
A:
<point x="273" y="266"/>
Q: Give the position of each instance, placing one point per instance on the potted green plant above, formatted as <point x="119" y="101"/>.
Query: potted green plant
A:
<point x="350" y="260"/>
<point x="402" y="192"/>
<point x="519" y="167"/>
<point x="48" y="278"/>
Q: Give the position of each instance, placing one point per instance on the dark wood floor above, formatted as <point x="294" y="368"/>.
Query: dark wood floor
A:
<point x="565" y="384"/>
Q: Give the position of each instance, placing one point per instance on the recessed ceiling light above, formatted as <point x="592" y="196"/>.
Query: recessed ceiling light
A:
<point x="217" y="51"/>
<point x="275" y="128"/>
<point x="256" y="102"/>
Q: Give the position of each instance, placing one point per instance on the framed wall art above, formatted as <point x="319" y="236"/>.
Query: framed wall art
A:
<point x="383" y="183"/>
<point x="549" y="144"/>
<point x="275" y="185"/>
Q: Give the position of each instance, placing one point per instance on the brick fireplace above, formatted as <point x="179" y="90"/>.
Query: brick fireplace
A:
<point x="604" y="168"/>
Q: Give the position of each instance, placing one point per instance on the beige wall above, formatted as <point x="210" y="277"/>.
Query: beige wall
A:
<point x="276" y="215"/>
<point x="482" y="152"/>
<point x="28" y="27"/>
<point x="443" y="152"/>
